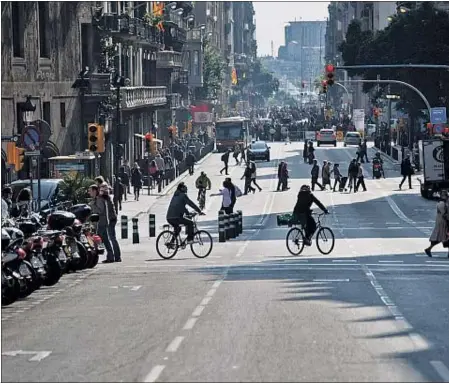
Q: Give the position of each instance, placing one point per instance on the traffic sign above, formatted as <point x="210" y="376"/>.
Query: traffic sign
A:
<point x="438" y="128"/>
<point x="438" y="115"/>
<point x="14" y="138"/>
<point x="33" y="153"/>
<point x="31" y="138"/>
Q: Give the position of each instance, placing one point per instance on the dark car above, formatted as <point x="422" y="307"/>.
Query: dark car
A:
<point x="259" y="150"/>
<point x="50" y="194"/>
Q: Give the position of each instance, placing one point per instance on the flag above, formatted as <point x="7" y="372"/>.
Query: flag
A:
<point x="234" y="77"/>
<point x="158" y="8"/>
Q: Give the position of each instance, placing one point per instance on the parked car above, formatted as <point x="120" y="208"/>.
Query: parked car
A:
<point x="259" y="150"/>
<point x="50" y="194"/>
<point x="326" y="137"/>
<point x="353" y="138"/>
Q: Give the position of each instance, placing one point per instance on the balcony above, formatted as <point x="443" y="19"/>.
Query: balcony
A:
<point x="100" y="85"/>
<point x="118" y="25"/>
<point x="133" y="97"/>
<point x="168" y="60"/>
<point x="153" y="36"/>
<point x="174" y="100"/>
<point x="195" y="35"/>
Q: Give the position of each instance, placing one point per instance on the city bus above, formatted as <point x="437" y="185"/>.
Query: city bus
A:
<point x="231" y="131"/>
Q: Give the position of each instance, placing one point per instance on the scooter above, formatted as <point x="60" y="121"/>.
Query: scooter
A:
<point x="378" y="171"/>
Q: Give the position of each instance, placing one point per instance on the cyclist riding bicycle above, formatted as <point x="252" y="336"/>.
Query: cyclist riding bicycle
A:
<point x="303" y="214"/>
<point x="177" y="210"/>
<point x="202" y="183"/>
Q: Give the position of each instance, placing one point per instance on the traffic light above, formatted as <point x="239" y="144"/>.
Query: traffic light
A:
<point x="148" y="140"/>
<point x="324" y="86"/>
<point x="330" y="74"/>
<point x="11" y="152"/>
<point x="19" y="159"/>
<point x="95" y="138"/>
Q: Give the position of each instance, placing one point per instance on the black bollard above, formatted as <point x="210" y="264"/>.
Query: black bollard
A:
<point x="221" y="226"/>
<point x="240" y="220"/>
<point x="227" y="227"/>
<point x="232" y="225"/>
<point x="152" y="223"/>
<point x="135" y="230"/>
<point x="124" y="224"/>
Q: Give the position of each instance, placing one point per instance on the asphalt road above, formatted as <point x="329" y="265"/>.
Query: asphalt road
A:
<point x="375" y="309"/>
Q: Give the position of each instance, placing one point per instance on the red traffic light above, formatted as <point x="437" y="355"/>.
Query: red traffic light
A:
<point x="329" y="68"/>
<point x="148" y="137"/>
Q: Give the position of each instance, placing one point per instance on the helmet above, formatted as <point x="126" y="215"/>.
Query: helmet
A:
<point x="305" y="188"/>
<point x="378" y="154"/>
<point x="203" y="173"/>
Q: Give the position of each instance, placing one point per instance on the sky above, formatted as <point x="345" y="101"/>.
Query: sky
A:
<point x="271" y="17"/>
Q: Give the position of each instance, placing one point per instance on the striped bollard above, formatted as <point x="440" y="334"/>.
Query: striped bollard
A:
<point x="232" y="225"/>
<point x="237" y="226"/>
<point x="152" y="223"/>
<point x="240" y="220"/>
<point x="124" y="224"/>
<point x="221" y="226"/>
<point x="135" y="230"/>
<point x="227" y="227"/>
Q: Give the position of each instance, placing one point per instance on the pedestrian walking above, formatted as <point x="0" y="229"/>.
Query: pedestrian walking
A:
<point x="125" y="181"/>
<point x="161" y="170"/>
<point x="225" y="159"/>
<point x="337" y="175"/>
<point x="225" y="192"/>
<point x="242" y="154"/>
<point x="440" y="230"/>
<point x="236" y="155"/>
<point x="254" y="175"/>
<point x="247" y="176"/>
<point x="121" y="192"/>
<point x="406" y="172"/>
<point x="326" y="174"/>
<point x="315" y="172"/>
<point x="305" y="153"/>
<point x="127" y="169"/>
<point x="282" y="176"/>
<point x="311" y="153"/>
<point x="360" y="178"/>
<point x="190" y="162"/>
<point x="353" y="172"/>
<point x="136" y="180"/>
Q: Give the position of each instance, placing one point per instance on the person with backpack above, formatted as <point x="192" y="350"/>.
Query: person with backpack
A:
<point x="225" y="159"/>
<point x="247" y="176"/>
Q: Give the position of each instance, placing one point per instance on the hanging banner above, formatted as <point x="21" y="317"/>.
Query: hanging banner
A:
<point x="358" y="117"/>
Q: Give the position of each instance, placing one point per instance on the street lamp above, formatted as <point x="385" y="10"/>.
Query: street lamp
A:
<point x="28" y="110"/>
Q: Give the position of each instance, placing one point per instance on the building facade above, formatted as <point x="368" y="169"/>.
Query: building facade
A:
<point x="47" y="46"/>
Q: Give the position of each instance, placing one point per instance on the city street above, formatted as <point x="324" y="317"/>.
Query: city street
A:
<point x="375" y="309"/>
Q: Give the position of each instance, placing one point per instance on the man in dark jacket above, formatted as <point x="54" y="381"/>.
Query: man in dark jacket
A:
<point x="302" y="212"/>
<point x="125" y="180"/>
<point x="353" y="172"/>
<point x="315" y="172"/>
<point x="190" y="162"/>
<point x="225" y="159"/>
<point x="406" y="171"/>
<point x="177" y="209"/>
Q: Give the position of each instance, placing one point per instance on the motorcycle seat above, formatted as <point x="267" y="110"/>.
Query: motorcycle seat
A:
<point x="49" y="233"/>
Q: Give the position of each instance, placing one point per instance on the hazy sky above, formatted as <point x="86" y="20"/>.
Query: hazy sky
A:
<point x="271" y="16"/>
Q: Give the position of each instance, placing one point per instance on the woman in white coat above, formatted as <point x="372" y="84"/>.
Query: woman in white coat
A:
<point x="439" y="233"/>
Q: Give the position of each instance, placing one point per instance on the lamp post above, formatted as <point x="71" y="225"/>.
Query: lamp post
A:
<point x="28" y="110"/>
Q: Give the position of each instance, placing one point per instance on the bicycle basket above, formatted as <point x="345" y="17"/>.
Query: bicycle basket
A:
<point x="284" y="219"/>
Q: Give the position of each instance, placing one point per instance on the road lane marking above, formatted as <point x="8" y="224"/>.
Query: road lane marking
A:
<point x="190" y="323"/>
<point x="175" y="343"/>
<point x="154" y="373"/>
<point x="391" y="261"/>
<point x="217" y="283"/>
<point x="205" y="301"/>
<point x="344" y="260"/>
<point x="331" y="280"/>
<point x="211" y="292"/>
<point x="198" y="311"/>
<point x="441" y="369"/>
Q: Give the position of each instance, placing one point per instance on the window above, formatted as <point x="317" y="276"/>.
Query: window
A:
<point x="17" y="29"/>
<point x="85" y="34"/>
<point x="113" y="5"/>
<point x="188" y="65"/>
<point x="196" y="63"/>
<point x="44" y="40"/>
<point x="62" y="114"/>
<point x="46" y="112"/>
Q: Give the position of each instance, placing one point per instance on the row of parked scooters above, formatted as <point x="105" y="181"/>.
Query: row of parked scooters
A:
<point x="37" y="250"/>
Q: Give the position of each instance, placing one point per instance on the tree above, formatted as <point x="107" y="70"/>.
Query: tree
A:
<point x="213" y="72"/>
<point x="75" y="187"/>
<point x="418" y="37"/>
<point x="263" y="81"/>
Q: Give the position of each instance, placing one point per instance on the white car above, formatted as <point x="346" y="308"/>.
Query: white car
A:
<point x="326" y="137"/>
<point x="353" y="138"/>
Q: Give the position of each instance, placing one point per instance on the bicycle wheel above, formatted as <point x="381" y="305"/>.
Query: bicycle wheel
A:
<point x="202" y="202"/>
<point x="167" y="244"/>
<point x="202" y="244"/>
<point x="325" y="239"/>
<point x="295" y="241"/>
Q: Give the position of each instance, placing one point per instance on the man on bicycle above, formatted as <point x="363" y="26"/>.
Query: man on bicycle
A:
<point x="177" y="209"/>
<point x="303" y="214"/>
<point x="202" y="183"/>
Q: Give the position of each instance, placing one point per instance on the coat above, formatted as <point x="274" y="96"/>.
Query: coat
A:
<point x="439" y="233"/>
<point x="136" y="178"/>
<point x="326" y="174"/>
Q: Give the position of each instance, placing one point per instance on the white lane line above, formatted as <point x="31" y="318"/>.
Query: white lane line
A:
<point x="441" y="369"/>
<point x="154" y="373"/>
<point x="344" y="260"/>
<point x="174" y="345"/>
<point x="198" y="311"/>
<point x="190" y="323"/>
<point x="205" y="301"/>
<point x="217" y="284"/>
<point x="331" y="280"/>
<point x="391" y="261"/>
<point x="443" y="261"/>
<point x="211" y="292"/>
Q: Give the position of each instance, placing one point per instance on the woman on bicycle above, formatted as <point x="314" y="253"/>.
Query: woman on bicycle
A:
<point x="302" y="212"/>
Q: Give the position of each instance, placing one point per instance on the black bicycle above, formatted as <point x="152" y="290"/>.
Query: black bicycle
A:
<point x="168" y="244"/>
<point x="202" y="199"/>
<point x="324" y="237"/>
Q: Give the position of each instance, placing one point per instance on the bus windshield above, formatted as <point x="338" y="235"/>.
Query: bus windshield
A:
<point x="229" y="131"/>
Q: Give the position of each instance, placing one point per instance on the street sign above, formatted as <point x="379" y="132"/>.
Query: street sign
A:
<point x="438" y="128"/>
<point x="31" y="138"/>
<point x="84" y="155"/>
<point x="33" y="153"/>
<point x="14" y="138"/>
<point x="438" y="115"/>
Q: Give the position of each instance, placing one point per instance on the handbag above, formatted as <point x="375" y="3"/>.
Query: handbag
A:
<point x="238" y="192"/>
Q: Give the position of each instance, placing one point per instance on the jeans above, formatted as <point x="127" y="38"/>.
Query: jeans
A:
<point x="177" y="222"/>
<point x="404" y="177"/>
<point x="104" y="232"/>
<point x="114" y="242"/>
<point x="248" y="187"/>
